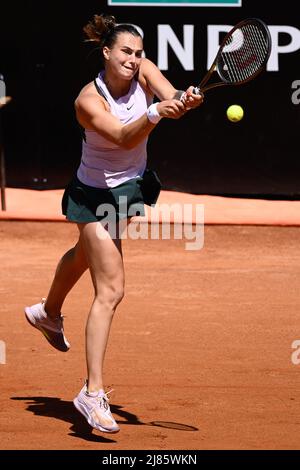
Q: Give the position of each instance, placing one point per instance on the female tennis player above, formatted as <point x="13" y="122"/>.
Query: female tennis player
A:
<point x="117" y="114"/>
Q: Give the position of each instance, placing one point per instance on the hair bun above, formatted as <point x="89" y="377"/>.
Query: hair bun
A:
<point x="110" y="22"/>
<point x="100" y="26"/>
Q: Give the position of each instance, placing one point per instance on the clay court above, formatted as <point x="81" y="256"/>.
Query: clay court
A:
<point x="200" y="349"/>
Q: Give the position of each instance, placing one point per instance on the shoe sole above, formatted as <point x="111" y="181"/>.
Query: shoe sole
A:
<point x="66" y="349"/>
<point x="83" y="411"/>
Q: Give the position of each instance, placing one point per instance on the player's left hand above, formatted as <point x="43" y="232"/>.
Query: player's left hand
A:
<point x="191" y="100"/>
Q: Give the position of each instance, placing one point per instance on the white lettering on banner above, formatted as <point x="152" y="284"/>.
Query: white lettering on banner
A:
<point x="2" y="87"/>
<point x="292" y="46"/>
<point x="213" y="40"/>
<point x="166" y="36"/>
<point x="184" y="50"/>
<point x="213" y="33"/>
<point x="296" y="94"/>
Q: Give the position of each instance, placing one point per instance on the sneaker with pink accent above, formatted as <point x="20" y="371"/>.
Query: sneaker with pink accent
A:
<point x="95" y="408"/>
<point x="52" y="329"/>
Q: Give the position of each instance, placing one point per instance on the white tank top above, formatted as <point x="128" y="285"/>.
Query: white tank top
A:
<point x="103" y="163"/>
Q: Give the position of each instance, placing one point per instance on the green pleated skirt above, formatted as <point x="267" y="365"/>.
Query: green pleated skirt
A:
<point x="84" y="204"/>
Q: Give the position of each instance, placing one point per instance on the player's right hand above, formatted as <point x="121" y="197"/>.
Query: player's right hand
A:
<point x="173" y="109"/>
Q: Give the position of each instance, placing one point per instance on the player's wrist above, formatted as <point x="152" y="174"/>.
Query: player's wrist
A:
<point x="153" y="114"/>
<point x="179" y="95"/>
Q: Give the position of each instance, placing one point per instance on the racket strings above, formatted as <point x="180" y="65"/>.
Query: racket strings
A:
<point x="244" y="53"/>
<point x="241" y="53"/>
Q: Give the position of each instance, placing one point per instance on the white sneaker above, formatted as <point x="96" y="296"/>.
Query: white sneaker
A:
<point x="52" y="329"/>
<point x="95" y="408"/>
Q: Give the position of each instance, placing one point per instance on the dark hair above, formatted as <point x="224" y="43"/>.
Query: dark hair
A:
<point x="104" y="30"/>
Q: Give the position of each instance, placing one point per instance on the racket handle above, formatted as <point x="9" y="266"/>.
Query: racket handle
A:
<point x="197" y="91"/>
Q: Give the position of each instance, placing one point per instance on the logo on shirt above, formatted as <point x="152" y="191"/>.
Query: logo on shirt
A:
<point x="129" y="107"/>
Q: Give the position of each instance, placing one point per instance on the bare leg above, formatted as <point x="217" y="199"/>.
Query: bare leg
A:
<point x="70" y="268"/>
<point x="106" y="267"/>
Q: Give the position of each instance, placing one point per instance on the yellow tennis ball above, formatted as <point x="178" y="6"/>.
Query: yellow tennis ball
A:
<point x="235" y="113"/>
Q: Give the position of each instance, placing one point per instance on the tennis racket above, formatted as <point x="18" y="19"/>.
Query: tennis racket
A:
<point x="242" y="55"/>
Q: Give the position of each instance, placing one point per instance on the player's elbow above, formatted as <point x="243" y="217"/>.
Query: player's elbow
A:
<point x="125" y="142"/>
<point x="121" y="141"/>
<point x="128" y="145"/>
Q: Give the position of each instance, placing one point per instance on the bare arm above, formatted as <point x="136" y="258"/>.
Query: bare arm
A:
<point x="152" y="78"/>
<point x="157" y="83"/>
<point x="93" y="113"/>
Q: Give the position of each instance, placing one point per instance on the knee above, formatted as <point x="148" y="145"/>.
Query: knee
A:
<point x="117" y="294"/>
<point x="110" y="296"/>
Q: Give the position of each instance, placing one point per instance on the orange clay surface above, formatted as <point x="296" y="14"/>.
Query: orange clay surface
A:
<point x="27" y="204"/>
<point x="200" y="350"/>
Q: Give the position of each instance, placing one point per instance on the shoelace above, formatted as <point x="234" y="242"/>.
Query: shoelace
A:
<point x="61" y="317"/>
<point x="104" y="400"/>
